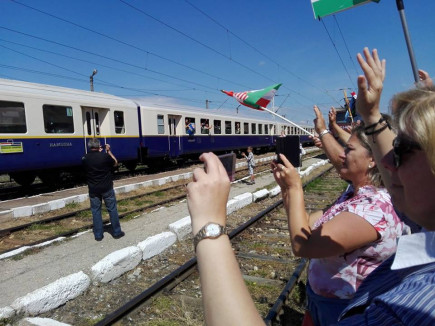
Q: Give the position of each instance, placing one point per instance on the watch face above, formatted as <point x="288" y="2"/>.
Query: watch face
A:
<point x="212" y="230"/>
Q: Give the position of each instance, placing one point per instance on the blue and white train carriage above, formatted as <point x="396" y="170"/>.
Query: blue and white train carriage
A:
<point x="44" y="130"/>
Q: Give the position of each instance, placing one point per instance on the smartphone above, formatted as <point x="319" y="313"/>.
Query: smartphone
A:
<point x="290" y="147"/>
<point x="229" y="163"/>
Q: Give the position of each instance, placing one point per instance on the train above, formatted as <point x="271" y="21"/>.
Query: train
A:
<point x="44" y="130"/>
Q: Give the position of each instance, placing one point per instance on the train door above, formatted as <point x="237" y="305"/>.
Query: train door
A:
<point x="174" y="132"/>
<point x="95" y="124"/>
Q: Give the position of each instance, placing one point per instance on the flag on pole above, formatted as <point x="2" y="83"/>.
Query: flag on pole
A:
<point x="257" y="99"/>
<point x="322" y="8"/>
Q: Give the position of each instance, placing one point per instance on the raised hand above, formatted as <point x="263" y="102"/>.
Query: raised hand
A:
<point x="370" y="85"/>
<point x="332" y="115"/>
<point x="319" y="121"/>
<point x="425" y="79"/>
<point x="207" y="194"/>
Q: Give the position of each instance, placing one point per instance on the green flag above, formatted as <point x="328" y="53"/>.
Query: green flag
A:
<point x="258" y="99"/>
<point x="324" y="8"/>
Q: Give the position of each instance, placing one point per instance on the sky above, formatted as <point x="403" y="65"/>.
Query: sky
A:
<point x="183" y="52"/>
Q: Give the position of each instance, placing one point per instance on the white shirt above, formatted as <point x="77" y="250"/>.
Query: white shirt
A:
<point x="414" y="250"/>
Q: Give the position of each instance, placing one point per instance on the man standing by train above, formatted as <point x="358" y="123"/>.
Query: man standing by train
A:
<point x="99" y="165"/>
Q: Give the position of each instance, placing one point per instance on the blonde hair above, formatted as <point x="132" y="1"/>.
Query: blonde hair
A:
<point x="414" y="115"/>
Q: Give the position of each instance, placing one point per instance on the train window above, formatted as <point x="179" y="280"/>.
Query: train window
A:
<point x="97" y="123"/>
<point x="12" y="117"/>
<point x="227" y="127"/>
<point x="59" y="119"/>
<point x="190" y="126"/>
<point x="260" y="128"/>
<point x="246" y="128"/>
<point x="274" y="129"/>
<point x="119" y="122"/>
<point x="205" y="126"/>
<point x="253" y="128"/>
<point x="266" y="129"/>
<point x="237" y="128"/>
<point x="217" y="126"/>
<point x="88" y="123"/>
<point x="160" y="124"/>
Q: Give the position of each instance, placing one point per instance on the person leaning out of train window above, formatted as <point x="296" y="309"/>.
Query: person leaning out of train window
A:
<point x="205" y="127"/>
<point x="98" y="165"/>
<point x="237" y="127"/>
<point x="401" y="290"/>
<point x="347" y="241"/>
<point x="190" y="127"/>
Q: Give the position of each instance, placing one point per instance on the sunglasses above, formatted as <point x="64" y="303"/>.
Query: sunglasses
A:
<point x="402" y="146"/>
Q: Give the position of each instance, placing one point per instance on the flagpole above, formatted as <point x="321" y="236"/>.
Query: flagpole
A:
<point x="292" y="123"/>
<point x="348" y="105"/>
<point x="401" y="9"/>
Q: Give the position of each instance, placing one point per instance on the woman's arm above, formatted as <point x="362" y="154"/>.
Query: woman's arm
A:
<point x="332" y="148"/>
<point x="226" y="299"/>
<point x="367" y="104"/>
<point x="344" y="233"/>
<point x="342" y="134"/>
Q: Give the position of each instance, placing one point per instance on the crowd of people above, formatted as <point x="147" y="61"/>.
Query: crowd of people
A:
<point x="366" y="267"/>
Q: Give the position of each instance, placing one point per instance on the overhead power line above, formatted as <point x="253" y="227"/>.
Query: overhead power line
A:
<point x="125" y="43"/>
<point x="260" y="52"/>
<point x="338" y="53"/>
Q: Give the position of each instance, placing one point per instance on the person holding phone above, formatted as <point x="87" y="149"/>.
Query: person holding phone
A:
<point x="347" y="241"/>
<point x="98" y="165"/>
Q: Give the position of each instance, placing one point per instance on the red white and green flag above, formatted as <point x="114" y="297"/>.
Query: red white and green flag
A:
<point x="324" y="8"/>
<point x="257" y="99"/>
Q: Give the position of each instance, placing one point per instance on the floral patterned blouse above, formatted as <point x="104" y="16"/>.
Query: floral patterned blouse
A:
<point x="339" y="277"/>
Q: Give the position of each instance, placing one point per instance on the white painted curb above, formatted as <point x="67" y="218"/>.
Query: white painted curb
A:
<point x="37" y="321"/>
<point x="154" y="245"/>
<point x="52" y="295"/>
<point x="116" y="264"/>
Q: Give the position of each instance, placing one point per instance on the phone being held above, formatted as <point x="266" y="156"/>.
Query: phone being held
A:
<point x="229" y="163"/>
<point x="290" y="147"/>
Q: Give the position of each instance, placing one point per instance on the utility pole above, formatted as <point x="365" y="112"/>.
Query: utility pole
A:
<point x="91" y="79"/>
<point x="206" y="104"/>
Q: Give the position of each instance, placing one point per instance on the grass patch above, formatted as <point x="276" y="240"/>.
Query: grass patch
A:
<point x="159" y="194"/>
<point x="72" y="205"/>
<point x="83" y="214"/>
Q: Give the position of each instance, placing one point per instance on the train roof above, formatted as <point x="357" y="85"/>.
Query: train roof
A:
<point x="21" y="88"/>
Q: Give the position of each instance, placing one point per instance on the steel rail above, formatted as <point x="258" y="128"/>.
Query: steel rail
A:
<point x="185" y="268"/>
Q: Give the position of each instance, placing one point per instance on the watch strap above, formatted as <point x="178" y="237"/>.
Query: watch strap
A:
<point x="202" y="233"/>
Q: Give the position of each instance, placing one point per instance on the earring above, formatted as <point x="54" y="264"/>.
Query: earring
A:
<point x="370" y="166"/>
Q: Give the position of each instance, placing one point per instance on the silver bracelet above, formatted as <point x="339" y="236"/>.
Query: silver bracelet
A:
<point x="323" y="133"/>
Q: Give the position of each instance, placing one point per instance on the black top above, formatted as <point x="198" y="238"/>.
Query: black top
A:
<point x="98" y="167"/>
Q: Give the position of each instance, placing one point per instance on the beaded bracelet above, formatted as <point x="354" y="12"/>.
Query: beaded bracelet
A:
<point x="373" y="132"/>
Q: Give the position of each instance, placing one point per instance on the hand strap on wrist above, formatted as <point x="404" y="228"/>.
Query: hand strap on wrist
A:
<point x="323" y="133"/>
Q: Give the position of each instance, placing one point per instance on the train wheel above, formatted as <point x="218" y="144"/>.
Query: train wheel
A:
<point x="130" y="165"/>
<point x="50" y="177"/>
<point x="23" y="179"/>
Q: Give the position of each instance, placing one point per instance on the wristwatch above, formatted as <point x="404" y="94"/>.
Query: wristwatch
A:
<point x="209" y="231"/>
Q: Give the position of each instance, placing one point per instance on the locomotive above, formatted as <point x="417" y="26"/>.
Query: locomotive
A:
<point x="44" y="130"/>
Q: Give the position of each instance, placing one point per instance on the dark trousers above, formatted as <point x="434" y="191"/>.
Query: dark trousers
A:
<point x="110" y="202"/>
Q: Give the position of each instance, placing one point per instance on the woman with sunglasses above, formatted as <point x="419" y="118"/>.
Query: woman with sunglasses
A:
<point x="349" y="240"/>
<point x="402" y="290"/>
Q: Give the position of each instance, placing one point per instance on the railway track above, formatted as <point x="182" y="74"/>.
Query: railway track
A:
<point x="66" y="224"/>
<point x="166" y="290"/>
